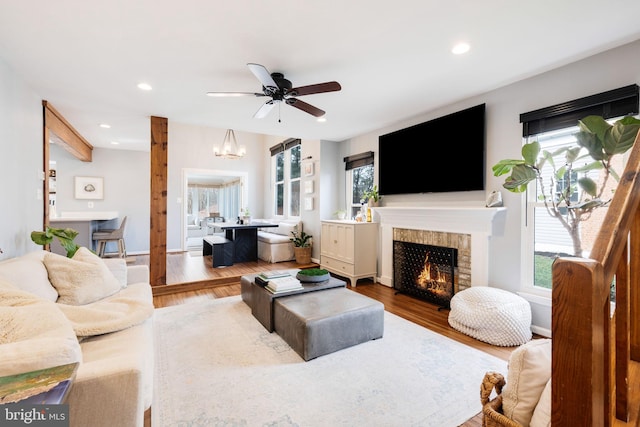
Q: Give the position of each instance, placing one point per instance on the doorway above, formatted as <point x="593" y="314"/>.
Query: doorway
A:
<point x="209" y="196"/>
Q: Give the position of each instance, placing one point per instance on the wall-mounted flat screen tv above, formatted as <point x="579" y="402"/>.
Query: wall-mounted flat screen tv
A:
<point x="442" y="155"/>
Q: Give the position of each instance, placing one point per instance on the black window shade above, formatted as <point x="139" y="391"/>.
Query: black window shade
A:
<point x="358" y="160"/>
<point x="614" y="103"/>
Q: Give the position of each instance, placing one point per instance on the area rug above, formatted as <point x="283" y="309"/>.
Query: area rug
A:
<point x="216" y="365"/>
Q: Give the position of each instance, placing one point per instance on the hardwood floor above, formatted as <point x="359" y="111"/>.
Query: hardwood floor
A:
<point x="194" y="280"/>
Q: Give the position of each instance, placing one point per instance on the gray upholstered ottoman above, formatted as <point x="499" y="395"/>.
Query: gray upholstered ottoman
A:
<point x="319" y="323"/>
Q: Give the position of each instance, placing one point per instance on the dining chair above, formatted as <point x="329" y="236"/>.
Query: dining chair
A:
<point x="103" y="236"/>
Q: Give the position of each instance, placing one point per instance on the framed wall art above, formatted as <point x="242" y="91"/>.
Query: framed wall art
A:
<point x="307" y="168"/>
<point x="89" y="187"/>
<point x="308" y="186"/>
<point x="308" y="203"/>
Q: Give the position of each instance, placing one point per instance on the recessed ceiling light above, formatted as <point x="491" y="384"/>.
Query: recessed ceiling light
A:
<point x="144" y="86"/>
<point x="115" y="143"/>
<point x="322" y="119"/>
<point x="105" y="125"/>
<point x="461" y="48"/>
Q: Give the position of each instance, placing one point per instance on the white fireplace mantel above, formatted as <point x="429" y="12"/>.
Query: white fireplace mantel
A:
<point x="476" y="221"/>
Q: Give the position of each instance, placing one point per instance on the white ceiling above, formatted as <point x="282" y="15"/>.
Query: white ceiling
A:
<point x="392" y="59"/>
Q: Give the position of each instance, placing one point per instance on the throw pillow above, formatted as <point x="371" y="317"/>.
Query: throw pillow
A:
<point x="285" y="228"/>
<point x="118" y="266"/>
<point x="82" y="279"/>
<point x="542" y="413"/>
<point x="529" y="371"/>
<point x="28" y="273"/>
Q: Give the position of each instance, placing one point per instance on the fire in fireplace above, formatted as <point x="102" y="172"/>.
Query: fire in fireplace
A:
<point x="425" y="271"/>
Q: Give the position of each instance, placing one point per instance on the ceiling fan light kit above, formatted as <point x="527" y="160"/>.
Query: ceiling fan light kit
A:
<point x="278" y="88"/>
<point x="230" y="148"/>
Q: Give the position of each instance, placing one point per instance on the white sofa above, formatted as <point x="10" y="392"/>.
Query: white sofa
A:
<point x="55" y="310"/>
<point x="274" y="244"/>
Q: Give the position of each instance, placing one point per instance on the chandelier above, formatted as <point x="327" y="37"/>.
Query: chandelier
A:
<point x="230" y="148"/>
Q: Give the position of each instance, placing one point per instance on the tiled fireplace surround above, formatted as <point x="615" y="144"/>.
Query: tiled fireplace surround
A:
<point x="467" y="229"/>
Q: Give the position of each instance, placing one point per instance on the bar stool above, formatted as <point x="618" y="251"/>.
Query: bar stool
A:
<point x="106" y="235"/>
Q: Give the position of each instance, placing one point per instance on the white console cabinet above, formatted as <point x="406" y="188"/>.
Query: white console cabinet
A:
<point x="349" y="249"/>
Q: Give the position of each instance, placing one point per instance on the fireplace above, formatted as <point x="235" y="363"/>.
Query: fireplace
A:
<point x="465" y="227"/>
<point x="425" y="271"/>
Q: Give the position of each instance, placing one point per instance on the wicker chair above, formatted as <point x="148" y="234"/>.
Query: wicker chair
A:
<point x="492" y="415"/>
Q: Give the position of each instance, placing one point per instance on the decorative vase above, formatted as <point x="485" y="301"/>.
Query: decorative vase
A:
<point x="303" y="254"/>
<point x="372" y="203"/>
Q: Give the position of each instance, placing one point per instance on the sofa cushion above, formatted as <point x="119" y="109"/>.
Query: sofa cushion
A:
<point x="34" y="334"/>
<point x="27" y="272"/>
<point x="266" y="237"/>
<point x="528" y="373"/>
<point x="82" y="279"/>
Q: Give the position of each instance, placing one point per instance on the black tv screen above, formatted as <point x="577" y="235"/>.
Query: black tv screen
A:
<point x="442" y="155"/>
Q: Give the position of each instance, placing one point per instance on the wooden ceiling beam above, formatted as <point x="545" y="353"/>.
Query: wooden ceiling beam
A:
<point x="65" y="135"/>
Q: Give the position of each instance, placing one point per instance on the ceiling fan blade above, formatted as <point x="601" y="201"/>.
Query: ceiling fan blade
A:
<point x="264" y="110"/>
<point x="317" y="88"/>
<point x="232" y="94"/>
<point x="307" y="108"/>
<point x="264" y="76"/>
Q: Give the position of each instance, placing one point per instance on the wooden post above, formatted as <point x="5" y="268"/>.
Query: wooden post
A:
<point x="580" y="324"/>
<point x="158" y="208"/>
<point x="634" y="286"/>
<point x="621" y="345"/>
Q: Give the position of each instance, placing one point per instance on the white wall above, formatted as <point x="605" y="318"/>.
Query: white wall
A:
<point x="192" y="147"/>
<point x="20" y="164"/>
<point x="126" y="189"/>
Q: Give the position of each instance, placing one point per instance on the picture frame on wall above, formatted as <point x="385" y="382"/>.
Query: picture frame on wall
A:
<point x="308" y="169"/>
<point x="89" y="187"/>
<point x="308" y="203"/>
<point x="308" y="186"/>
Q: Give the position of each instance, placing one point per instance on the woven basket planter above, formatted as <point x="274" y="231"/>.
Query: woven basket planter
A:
<point x="492" y="415"/>
<point x="303" y="255"/>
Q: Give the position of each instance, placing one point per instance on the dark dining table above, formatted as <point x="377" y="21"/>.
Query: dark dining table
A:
<point x="245" y="239"/>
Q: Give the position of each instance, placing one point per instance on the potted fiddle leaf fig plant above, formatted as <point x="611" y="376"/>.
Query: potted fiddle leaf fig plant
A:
<point x="597" y="142"/>
<point x="301" y="246"/>
<point x="65" y="236"/>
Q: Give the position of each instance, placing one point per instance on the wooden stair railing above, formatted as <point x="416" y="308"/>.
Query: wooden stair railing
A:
<point x="593" y="343"/>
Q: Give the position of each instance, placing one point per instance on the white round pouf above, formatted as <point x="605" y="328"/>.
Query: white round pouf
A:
<point x="491" y="315"/>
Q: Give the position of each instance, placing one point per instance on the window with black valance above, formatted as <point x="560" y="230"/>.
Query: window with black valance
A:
<point x="614" y="103"/>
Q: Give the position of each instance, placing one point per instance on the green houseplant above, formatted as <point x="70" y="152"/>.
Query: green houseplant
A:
<point x="597" y="143"/>
<point x="301" y="246"/>
<point x="372" y="196"/>
<point x="65" y="236"/>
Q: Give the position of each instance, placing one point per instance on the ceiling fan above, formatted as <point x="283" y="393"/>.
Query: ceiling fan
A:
<point x="279" y="89"/>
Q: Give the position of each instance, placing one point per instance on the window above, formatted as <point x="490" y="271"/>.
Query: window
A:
<point x="204" y="201"/>
<point x="544" y="236"/>
<point x="286" y="173"/>
<point x="360" y="171"/>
